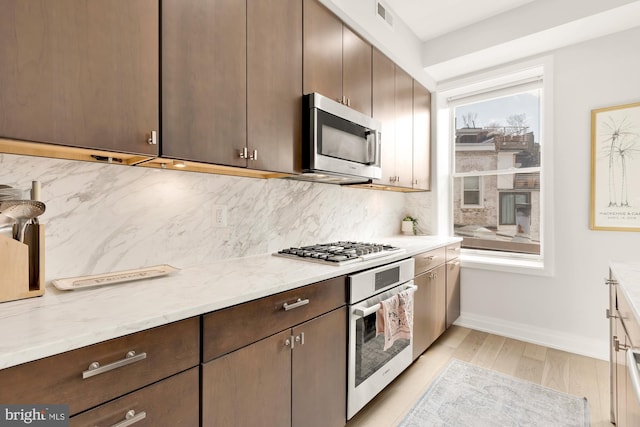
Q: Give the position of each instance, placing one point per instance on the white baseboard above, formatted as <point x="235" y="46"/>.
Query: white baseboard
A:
<point x="590" y="347"/>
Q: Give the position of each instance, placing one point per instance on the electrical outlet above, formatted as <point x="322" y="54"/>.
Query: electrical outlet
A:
<point x="220" y="216"/>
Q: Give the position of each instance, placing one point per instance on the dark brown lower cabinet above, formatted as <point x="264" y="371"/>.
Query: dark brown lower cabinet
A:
<point x="429" y="312"/>
<point x="296" y="377"/>
<point x="625" y="336"/>
<point x="453" y="291"/>
<point x="168" y="403"/>
<point x="319" y="372"/>
<point x="250" y="386"/>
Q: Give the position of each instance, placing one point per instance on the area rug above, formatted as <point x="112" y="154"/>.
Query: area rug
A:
<point x="467" y="395"/>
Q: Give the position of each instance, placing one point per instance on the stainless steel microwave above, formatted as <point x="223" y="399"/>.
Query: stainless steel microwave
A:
<point x="339" y="145"/>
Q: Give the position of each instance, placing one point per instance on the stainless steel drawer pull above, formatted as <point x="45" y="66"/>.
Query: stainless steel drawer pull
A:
<point x="298" y="303"/>
<point x="95" y="368"/>
<point x="617" y="346"/>
<point x="131" y="418"/>
<point x="430" y="257"/>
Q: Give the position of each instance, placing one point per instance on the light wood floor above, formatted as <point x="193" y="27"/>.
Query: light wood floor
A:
<point x="566" y="372"/>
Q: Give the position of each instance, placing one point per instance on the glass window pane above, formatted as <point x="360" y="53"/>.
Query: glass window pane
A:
<point x="471" y="183"/>
<point x="499" y="133"/>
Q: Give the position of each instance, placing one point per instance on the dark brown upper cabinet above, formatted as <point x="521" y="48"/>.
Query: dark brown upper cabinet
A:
<point x="421" y="137"/>
<point x="337" y="62"/>
<point x="274" y="85"/>
<point x="80" y="73"/>
<point x="404" y="129"/>
<point x="403" y="107"/>
<point x="384" y="110"/>
<point x="204" y="81"/>
<point x="232" y="82"/>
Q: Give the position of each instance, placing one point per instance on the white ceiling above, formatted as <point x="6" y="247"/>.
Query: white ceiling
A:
<point x="432" y="18"/>
<point x="462" y="36"/>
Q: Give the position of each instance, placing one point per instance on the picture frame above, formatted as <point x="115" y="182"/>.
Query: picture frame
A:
<point x="615" y="168"/>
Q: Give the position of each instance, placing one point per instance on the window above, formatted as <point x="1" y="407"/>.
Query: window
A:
<point x="497" y="163"/>
<point x="512" y="205"/>
<point x="471" y="195"/>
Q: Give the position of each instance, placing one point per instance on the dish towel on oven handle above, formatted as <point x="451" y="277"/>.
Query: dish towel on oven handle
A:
<point x="394" y="319"/>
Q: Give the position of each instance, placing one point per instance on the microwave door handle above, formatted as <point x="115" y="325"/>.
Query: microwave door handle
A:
<point x="372" y="147"/>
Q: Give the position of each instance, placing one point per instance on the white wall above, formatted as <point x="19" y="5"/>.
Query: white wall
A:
<point x="567" y="310"/>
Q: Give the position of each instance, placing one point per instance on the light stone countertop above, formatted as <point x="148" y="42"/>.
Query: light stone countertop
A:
<point x="60" y="321"/>
<point x="628" y="276"/>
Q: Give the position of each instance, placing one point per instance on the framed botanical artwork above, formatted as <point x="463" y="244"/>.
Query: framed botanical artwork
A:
<point x="615" y="168"/>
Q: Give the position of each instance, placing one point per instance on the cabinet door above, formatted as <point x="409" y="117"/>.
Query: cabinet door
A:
<point x="421" y="137"/>
<point x="319" y="374"/>
<point x="250" y="386"/>
<point x="274" y="84"/>
<point x="204" y="72"/>
<point x="322" y="42"/>
<point x="80" y="73"/>
<point x="384" y="110"/>
<point x="356" y="71"/>
<point x="453" y="291"/>
<point x="429" y="309"/>
<point x="620" y="375"/>
<point x="404" y="129"/>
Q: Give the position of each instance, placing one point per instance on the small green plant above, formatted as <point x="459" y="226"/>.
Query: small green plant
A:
<point x="414" y="221"/>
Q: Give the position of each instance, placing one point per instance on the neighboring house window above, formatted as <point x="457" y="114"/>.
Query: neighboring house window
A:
<point x="497" y="160"/>
<point x="509" y="203"/>
<point x="471" y="191"/>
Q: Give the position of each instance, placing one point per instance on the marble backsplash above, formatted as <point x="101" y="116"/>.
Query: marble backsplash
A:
<point x="103" y="218"/>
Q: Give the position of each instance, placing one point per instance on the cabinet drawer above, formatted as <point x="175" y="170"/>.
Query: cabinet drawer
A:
<point x="170" y="402"/>
<point x="427" y="260"/>
<point x="629" y="320"/>
<point x="453" y="251"/>
<point x="234" y="327"/>
<point x="59" y="379"/>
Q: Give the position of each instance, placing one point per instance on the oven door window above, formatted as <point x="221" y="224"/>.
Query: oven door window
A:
<point x="342" y="139"/>
<point x="369" y="349"/>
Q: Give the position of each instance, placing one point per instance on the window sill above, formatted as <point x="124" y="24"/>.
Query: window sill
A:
<point x="505" y="262"/>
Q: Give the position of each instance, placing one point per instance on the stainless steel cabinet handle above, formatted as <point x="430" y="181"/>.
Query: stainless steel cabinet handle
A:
<point x="95" y="368"/>
<point x="300" y="338"/>
<point x="153" y="139"/>
<point x="429" y="257"/>
<point x="298" y="303"/>
<point x="608" y="282"/>
<point x="131" y="418"/>
<point x="348" y="102"/>
<point x="617" y="346"/>
<point x="611" y="316"/>
<point x="243" y="153"/>
<point x="632" y="368"/>
<point x="254" y="156"/>
<point x="287" y="342"/>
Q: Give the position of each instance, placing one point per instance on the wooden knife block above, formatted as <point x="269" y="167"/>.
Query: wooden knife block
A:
<point x="22" y="265"/>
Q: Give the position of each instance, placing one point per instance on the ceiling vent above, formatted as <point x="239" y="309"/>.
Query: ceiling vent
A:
<point x="384" y="13"/>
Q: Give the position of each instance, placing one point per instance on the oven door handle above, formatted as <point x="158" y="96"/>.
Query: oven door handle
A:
<point x="370" y="310"/>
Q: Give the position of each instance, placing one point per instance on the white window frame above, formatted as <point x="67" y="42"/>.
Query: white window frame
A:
<point x="480" y="203"/>
<point x="479" y="83"/>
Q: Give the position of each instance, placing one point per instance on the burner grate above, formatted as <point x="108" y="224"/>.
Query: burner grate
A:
<point x="340" y="252"/>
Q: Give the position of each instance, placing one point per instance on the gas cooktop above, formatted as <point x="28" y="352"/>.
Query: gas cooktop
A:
<point x="340" y="253"/>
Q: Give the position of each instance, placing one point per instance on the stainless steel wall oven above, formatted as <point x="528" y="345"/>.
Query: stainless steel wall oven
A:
<point x="371" y="368"/>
